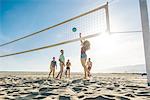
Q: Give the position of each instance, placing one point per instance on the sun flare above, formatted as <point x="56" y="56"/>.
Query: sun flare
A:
<point x="105" y="43"/>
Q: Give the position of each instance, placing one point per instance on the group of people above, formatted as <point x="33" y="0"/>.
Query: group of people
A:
<point x="53" y="66"/>
<point x="87" y="65"/>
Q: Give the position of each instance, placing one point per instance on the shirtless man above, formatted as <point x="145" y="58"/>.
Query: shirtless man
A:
<point x="89" y="66"/>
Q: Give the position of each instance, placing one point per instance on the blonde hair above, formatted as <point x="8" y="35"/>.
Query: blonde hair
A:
<point x="86" y="45"/>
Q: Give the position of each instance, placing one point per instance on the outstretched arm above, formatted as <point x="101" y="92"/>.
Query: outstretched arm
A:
<point x="81" y="37"/>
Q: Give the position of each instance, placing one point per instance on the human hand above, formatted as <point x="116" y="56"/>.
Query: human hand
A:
<point x="80" y="34"/>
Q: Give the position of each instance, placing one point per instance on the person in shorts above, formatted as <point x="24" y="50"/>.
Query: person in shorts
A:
<point x="89" y="66"/>
<point x="53" y="65"/>
<point x="62" y="64"/>
<point x="68" y="64"/>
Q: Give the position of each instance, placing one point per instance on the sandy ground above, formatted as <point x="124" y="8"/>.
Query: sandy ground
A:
<point x="34" y="86"/>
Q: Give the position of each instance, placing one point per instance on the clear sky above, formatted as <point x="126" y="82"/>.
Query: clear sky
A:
<point x="21" y="17"/>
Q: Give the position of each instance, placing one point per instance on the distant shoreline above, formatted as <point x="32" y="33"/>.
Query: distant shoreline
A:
<point x="44" y="72"/>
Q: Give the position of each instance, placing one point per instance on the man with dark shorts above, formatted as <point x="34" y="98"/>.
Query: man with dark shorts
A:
<point x="89" y="66"/>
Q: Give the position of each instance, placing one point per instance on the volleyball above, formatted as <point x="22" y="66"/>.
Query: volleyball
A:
<point x="74" y="29"/>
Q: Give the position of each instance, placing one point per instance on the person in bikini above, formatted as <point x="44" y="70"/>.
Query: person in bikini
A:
<point x="85" y="45"/>
<point x="53" y="65"/>
<point x="68" y="64"/>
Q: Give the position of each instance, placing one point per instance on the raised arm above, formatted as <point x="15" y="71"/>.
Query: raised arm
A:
<point x="81" y="37"/>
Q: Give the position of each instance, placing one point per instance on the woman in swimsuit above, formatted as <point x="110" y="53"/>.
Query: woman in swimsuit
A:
<point x="68" y="64"/>
<point x="85" y="46"/>
<point x="53" y="65"/>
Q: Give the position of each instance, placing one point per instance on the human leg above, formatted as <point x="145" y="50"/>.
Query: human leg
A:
<point x="83" y="62"/>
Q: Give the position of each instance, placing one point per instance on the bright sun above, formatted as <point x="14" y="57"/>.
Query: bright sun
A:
<point x="105" y="43"/>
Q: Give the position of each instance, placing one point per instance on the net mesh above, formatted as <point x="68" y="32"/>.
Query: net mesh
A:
<point x="91" y="23"/>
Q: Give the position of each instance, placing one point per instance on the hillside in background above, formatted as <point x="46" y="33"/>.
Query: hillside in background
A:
<point x="141" y="68"/>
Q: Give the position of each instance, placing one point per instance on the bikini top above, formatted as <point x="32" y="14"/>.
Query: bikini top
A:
<point x="83" y="51"/>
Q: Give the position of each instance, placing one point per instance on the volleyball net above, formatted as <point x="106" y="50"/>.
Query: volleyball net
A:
<point x="90" y="24"/>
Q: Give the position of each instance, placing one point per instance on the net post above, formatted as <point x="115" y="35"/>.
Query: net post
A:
<point x="107" y="18"/>
<point x="146" y="35"/>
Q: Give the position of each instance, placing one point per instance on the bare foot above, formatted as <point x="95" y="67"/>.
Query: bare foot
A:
<point x="57" y="78"/>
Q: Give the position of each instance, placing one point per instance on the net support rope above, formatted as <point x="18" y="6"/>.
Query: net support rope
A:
<point x="53" y="45"/>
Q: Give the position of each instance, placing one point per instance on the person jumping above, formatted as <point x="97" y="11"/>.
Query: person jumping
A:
<point x="85" y="46"/>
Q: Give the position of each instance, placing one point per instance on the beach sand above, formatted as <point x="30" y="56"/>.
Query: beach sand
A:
<point x="104" y="86"/>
